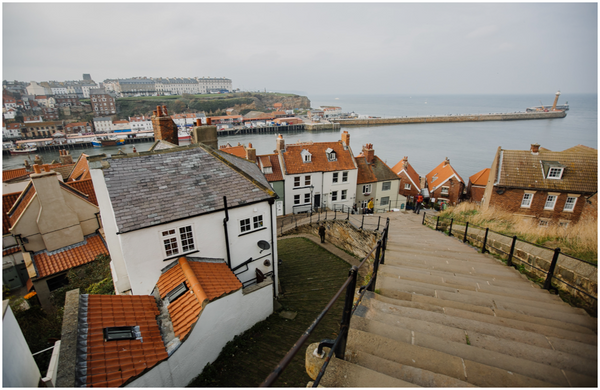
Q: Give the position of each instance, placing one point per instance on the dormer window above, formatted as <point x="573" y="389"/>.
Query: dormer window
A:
<point x="306" y="156"/>
<point x="267" y="170"/>
<point x="555" y="173"/>
<point x="434" y="178"/>
<point x="553" y="169"/>
<point x="331" y="156"/>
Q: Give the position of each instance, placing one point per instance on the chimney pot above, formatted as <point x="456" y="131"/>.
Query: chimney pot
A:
<point x="46" y="167"/>
<point x="198" y="122"/>
<point x="36" y="168"/>
<point x="208" y="121"/>
<point x="535" y="148"/>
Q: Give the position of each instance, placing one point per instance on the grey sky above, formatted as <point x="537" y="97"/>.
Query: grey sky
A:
<point x="312" y="48"/>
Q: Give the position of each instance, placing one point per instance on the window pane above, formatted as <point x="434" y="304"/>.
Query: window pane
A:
<point x="344" y="194"/>
<point x="171" y="246"/>
<point x="386" y="186"/>
<point x="297" y="181"/>
<point x="245" y="225"/>
<point x="550" y="202"/>
<point x="296" y="199"/>
<point x="258" y="221"/>
<point x="334" y="196"/>
<point x="344" y="176"/>
<point x="335" y="177"/>
<point x="306" y="180"/>
<point x="385" y="200"/>
<point x="526" y="202"/>
<point x="306" y="198"/>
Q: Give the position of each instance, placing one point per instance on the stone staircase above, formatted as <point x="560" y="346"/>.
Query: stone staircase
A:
<point x="444" y="315"/>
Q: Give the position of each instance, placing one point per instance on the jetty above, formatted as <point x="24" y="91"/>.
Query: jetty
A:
<point x="516" y="116"/>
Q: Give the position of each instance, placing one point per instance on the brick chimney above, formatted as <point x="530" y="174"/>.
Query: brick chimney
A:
<point x="250" y="153"/>
<point x="446" y="161"/>
<point x="280" y="144"/>
<point x="369" y="153"/>
<point x="345" y="139"/>
<point x="164" y="127"/>
<point x="405" y="162"/>
<point x="65" y="157"/>
<point x="535" y="148"/>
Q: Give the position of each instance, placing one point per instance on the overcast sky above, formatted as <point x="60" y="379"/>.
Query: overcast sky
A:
<point x="312" y="48"/>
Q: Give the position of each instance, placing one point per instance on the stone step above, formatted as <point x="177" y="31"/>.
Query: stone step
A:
<point x="429" y="335"/>
<point x="404" y="372"/>
<point x="551" y="310"/>
<point x="519" y="331"/>
<point x="439" y="362"/>
<point x="439" y="249"/>
<point x="440" y="305"/>
<point x="341" y="373"/>
<point x="479" y="282"/>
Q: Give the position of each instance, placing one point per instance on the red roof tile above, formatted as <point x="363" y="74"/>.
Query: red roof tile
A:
<point x="63" y="259"/>
<point x="405" y="166"/>
<point x="10" y="251"/>
<point x="440" y="174"/>
<point x="86" y="187"/>
<point x="292" y="158"/>
<point x="8" y="200"/>
<point x="480" y="178"/>
<point x="21" y="203"/>
<point x="270" y="160"/>
<point x="111" y="363"/>
<point x="12" y="173"/>
<point x="214" y="280"/>
<point x="239" y="150"/>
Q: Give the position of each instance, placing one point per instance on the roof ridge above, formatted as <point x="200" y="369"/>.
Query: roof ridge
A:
<point x="195" y="285"/>
<point x="21" y="197"/>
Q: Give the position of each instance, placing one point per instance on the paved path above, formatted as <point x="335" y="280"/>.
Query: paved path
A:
<point x="445" y="315"/>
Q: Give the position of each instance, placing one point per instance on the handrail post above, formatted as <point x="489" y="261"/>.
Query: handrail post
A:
<point x="424" y="213"/>
<point x="326" y="214"/>
<point x="310" y="218"/>
<point x="385" y="236"/>
<point x="437" y="222"/>
<point x="378" y="221"/>
<point x="375" y="268"/>
<point x="363" y="221"/>
<point x="296" y="221"/>
<point x="512" y="251"/>
<point x="483" y="250"/>
<point x="450" y="230"/>
<point x="282" y="226"/>
<point x="334" y="214"/>
<point x="466" y="228"/>
<point x="348" y="217"/>
<point x="340" y="350"/>
<point x="548" y="282"/>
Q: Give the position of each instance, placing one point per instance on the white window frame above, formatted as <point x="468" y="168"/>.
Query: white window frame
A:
<point x="527" y="200"/>
<point x="344" y="195"/>
<point x="344" y="177"/>
<point x="550" y="202"/>
<point x="334" y="195"/>
<point x="572" y="208"/>
<point x="335" y="177"/>
<point x="384" y="184"/>
<point x="307" y="180"/>
<point x="307" y="198"/>
<point x="251" y="224"/>
<point x="385" y="200"/>
<point x="544" y="223"/>
<point x="297" y="181"/>
<point x="555" y="173"/>
<point x="364" y="204"/>
<point x="366" y="190"/>
<point x="446" y="192"/>
<point x="297" y="199"/>
<point x="176" y="236"/>
<point x="407" y="186"/>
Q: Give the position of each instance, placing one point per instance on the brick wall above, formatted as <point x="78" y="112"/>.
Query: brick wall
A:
<point x="455" y="189"/>
<point x="164" y="127"/>
<point x="413" y="192"/>
<point x="475" y="193"/>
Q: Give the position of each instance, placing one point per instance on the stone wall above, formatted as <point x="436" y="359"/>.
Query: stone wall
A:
<point x="535" y="260"/>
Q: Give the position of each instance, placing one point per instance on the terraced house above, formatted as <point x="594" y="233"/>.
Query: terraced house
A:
<point x="445" y="184"/>
<point x="550" y="187"/>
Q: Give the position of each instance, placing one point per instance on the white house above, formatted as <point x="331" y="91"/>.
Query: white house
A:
<point x="318" y="174"/>
<point x="140" y="123"/>
<point x="103" y="124"/>
<point x="188" y="201"/>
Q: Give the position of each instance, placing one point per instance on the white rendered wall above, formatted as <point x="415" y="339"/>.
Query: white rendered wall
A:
<point x="219" y="322"/>
<point x="349" y="186"/>
<point x="18" y="367"/>
<point x="316" y="180"/>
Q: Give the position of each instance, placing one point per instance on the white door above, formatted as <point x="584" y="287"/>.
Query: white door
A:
<point x="279" y="206"/>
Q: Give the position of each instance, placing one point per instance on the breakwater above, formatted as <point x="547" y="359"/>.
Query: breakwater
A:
<point x="517" y="116"/>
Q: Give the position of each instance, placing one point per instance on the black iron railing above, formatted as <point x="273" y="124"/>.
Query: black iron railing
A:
<point x="338" y="346"/>
<point x="359" y="221"/>
<point x="510" y="255"/>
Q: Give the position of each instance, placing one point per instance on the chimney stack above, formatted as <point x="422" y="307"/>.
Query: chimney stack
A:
<point x="446" y="161"/>
<point x="280" y="144"/>
<point x="345" y="139"/>
<point x="250" y="153"/>
<point x="405" y="161"/>
<point x="65" y="157"/>
<point x="36" y="168"/>
<point x="164" y="127"/>
<point x="369" y="153"/>
<point x="37" y="160"/>
<point x="535" y="148"/>
<point x="206" y="135"/>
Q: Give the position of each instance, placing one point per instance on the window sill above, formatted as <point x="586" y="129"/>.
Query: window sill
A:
<point x="252" y="231"/>
<point x="183" y="254"/>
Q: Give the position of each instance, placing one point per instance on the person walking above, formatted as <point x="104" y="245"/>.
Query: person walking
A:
<point x="322" y="233"/>
<point x="419" y="203"/>
<point x="370" y="206"/>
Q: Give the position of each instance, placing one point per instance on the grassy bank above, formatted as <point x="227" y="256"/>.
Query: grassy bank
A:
<point x="579" y="240"/>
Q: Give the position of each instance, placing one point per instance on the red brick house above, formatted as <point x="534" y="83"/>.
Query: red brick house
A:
<point x="477" y="184"/>
<point x="551" y="187"/>
<point x="410" y="183"/>
<point x="444" y="183"/>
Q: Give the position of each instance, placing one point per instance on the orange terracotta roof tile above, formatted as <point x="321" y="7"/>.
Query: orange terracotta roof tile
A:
<point x="292" y="158"/>
<point x="10" y="251"/>
<point x="480" y="178"/>
<point x="10" y="174"/>
<point x="50" y="263"/>
<point x="8" y="200"/>
<point x="86" y="187"/>
<point x="81" y="170"/>
<point x="270" y="160"/>
<point x="405" y="166"/>
<point x="112" y="363"/>
<point x="238" y="151"/>
<point x="21" y="203"/>
<point x="440" y="174"/>
<point x="215" y="279"/>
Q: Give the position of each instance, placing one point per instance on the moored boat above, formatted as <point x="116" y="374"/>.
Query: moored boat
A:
<point x="107" y="141"/>
<point x="22" y="150"/>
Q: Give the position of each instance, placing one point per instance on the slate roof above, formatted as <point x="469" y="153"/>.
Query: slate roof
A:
<point x="271" y="160"/>
<point x="480" y="178"/>
<point x="374" y="172"/>
<point x="443" y="174"/>
<point x="50" y="263"/>
<point x="293" y="163"/>
<point x="156" y="188"/>
<point x="523" y="169"/>
<point x="205" y="279"/>
<point x="409" y="170"/>
<point x="111" y="363"/>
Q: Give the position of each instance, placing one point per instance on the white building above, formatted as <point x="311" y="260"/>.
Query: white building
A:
<point x="103" y="124"/>
<point x="318" y="174"/>
<point x="140" y="123"/>
<point x="35" y="89"/>
<point x="208" y="84"/>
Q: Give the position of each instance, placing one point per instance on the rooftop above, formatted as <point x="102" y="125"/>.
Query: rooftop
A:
<point x="374" y="172"/>
<point x="319" y="162"/>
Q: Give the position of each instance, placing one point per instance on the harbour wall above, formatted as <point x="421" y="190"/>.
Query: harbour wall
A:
<point x="517" y="116"/>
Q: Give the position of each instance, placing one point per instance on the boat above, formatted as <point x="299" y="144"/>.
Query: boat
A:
<point x="107" y="141"/>
<point x="22" y="150"/>
<point x="183" y="135"/>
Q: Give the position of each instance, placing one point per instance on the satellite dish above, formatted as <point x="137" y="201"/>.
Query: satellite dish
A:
<point x="263" y="245"/>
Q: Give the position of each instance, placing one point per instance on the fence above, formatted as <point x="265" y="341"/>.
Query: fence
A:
<point x="359" y="221"/>
<point x="578" y="277"/>
<point x="338" y="346"/>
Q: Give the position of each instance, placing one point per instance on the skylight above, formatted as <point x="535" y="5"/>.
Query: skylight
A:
<point x="178" y="291"/>
<point x="119" y="333"/>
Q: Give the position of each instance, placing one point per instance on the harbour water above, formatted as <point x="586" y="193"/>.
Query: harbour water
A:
<point x="470" y="146"/>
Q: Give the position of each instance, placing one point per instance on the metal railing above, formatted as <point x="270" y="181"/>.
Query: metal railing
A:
<point x="547" y="285"/>
<point x="359" y="221"/>
<point x="338" y="346"/>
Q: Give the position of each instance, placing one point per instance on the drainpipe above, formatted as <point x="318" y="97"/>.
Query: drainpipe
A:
<point x="273" y="243"/>
<point x="225" y="220"/>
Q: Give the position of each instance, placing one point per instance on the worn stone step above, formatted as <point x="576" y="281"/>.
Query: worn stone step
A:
<point x="341" y="373"/>
<point x="404" y="372"/>
<point x="429" y="335"/>
<point x="503" y="328"/>
<point x="439" y="248"/>
<point x="439" y="362"/>
<point x="491" y="285"/>
<point x="439" y="305"/>
<point x="552" y="310"/>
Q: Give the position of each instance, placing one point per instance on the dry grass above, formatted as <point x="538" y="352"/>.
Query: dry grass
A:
<point x="578" y="240"/>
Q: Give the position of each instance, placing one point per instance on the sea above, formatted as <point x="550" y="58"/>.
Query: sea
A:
<point x="470" y="146"/>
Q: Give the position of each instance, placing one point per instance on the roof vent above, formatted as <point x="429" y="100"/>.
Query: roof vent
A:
<point x="120" y="333"/>
<point x="177" y="292"/>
